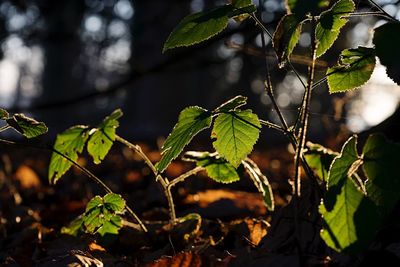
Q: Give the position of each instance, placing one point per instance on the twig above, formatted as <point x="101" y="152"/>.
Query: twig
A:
<point x="382" y="10"/>
<point x="139" y="151"/>
<point x="185" y="175"/>
<point x="5" y="127"/>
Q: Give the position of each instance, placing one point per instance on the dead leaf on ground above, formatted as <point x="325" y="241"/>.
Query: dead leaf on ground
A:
<point x="183" y="259"/>
<point x="27" y="177"/>
<point x="242" y="200"/>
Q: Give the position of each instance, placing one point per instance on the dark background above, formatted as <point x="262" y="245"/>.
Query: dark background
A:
<point x="73" y="62"/>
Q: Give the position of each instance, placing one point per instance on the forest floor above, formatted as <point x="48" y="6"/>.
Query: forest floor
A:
<point x="235" y="227"/>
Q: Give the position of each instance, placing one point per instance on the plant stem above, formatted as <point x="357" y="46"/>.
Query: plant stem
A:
<point x="185" y="175"/>
<point x="305" y="113"/>
<point x="272" y="125"/>
<point x="382" y="10"/>
<point x="164" y="182"/>
<point x="139" y="151"/>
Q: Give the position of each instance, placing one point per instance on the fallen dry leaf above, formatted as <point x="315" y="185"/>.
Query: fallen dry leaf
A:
<point x="27" y="177"/>
<point x="183" y="259"/>
<point x="242" y="200"/>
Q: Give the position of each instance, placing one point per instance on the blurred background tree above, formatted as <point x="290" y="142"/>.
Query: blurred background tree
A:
<point x="74" y="61"/>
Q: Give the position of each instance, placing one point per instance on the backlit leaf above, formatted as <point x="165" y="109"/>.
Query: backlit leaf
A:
<point x="339" y="171"/>
<point x="69" y="143"/>
<point x="102" y="137"/>
<point x="319" y="159"/>
<point x="191" y="121"/>
<point x="330" y="23"/>
<point x="353" y="221"/>
<point x="198" y="27"/>
<point x="381" y="166"/>
<point x="286" y="37"/>
<point x="232" y="104"/>
<point x="261" y="182"/>
<point x="27" y="126"/>
<point x="217" y="168"/>
<point x="236" y="133"/>
<point x="114" y="202"/>
<point x="387" y="41"/>
<point x="355" y="67"/>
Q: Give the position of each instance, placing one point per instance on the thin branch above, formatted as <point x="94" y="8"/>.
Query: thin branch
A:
<point x="382" y="10"/>
<point x="139" y="151"/>
<point x="272" y="125"/>
<point x="185" y="175"/>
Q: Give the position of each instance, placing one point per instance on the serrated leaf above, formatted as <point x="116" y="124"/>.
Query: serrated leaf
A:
<point x="3" y="114"/>
<point x="355" y="67"/>
<point x="320" y="159"/>
<point x="339" y="171"/>
<point x="95" y="202"/>
<point x="114" y="202"/>
<point x="232" y="104"/>
<point x="303" y="7"/>
<point x="381" y="166"/>
<point x="261" y="182"/>
<point x="387" y="41"/>
<point x="191" y="121"/>
<point x="27" y="126"/>
<point x="103" y="137"/>
<point x="286" y="37"/>
<point x="236" y="133"/>
<point x="198" y="27"/>
<point x="110" y="226"/>
<point x="218" y="168"/>
<point x="69" y="143"/>
<point x="330" y="23"/>
<point x="92" y="220"/>
<point x="353" y="221"/>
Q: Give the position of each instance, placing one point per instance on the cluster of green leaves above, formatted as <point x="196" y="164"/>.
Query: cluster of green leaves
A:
<point x="71" y="143"/>
<point x="235" y="132"/>
<point x="26" y="126"/>
<point x="355" y="197"/>
<point x="101" y="216"/>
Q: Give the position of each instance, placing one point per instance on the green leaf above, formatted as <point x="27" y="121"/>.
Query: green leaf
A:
<point x="381" y="166"/>
<point x="27" y="126"/>
<point x="353" y="221"/>
<point x="198" y="27"/>
<point x="3" y="114"/>
<point x="241" y="3"/>
<point x="320" y="159"/>
<point x="191" y="121"/>
<point x="330" y="23"/>
<point x="242" y="9"/>
<point x="236" y="133"/>
<point x="69" y="143"/>
<point x="286" y="37"/>
<point x="339" y="171"/>
<point x="103" y="137"/>
<point x="387" y="41"/>
<point x="355" y="67"/>
<point x="114" y="202"/>
<point x="92" y="220"/>
<point x="261" y="182"/>
<point x="303" y="7"/>
<point x="95" y="202"/>
<point x="232" y="104"/>
<point x="216" y="167"/>
<point x="110" y="226"/>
